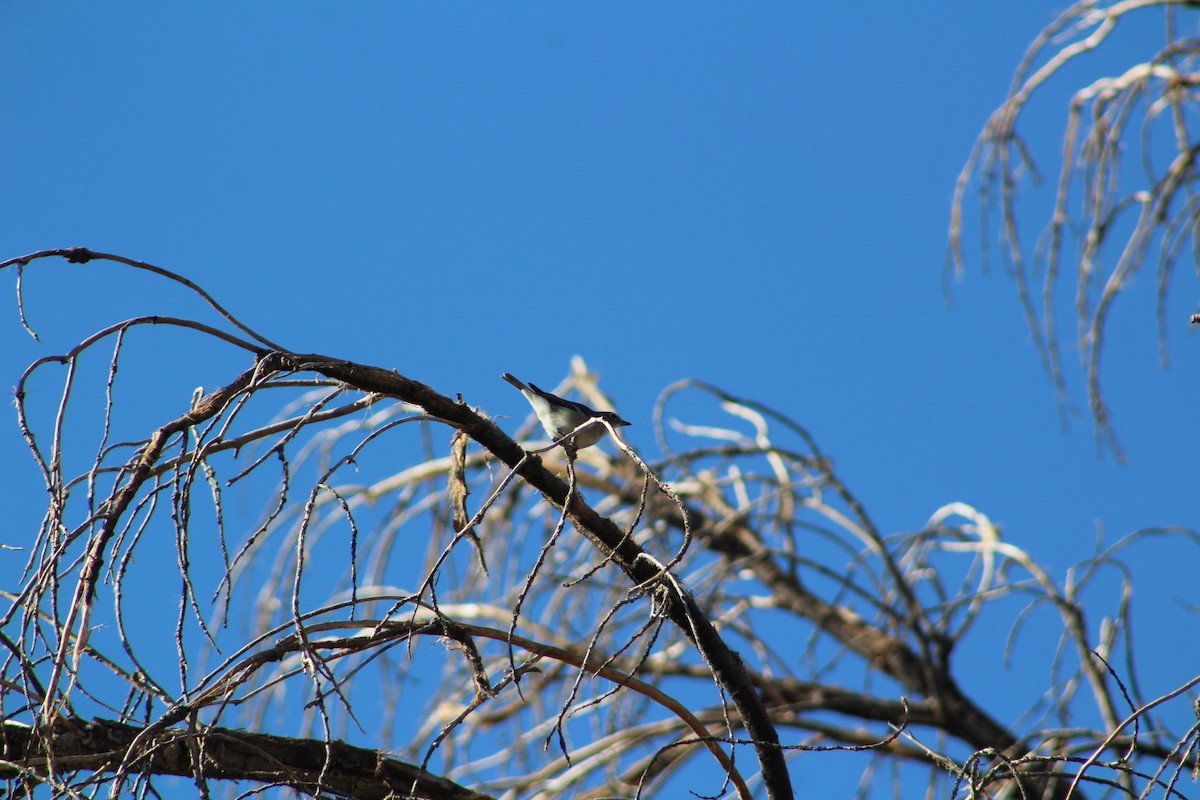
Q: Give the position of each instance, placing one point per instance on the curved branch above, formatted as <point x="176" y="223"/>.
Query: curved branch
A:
<point x="306" y="765"/>
<point x="82" y="255"/>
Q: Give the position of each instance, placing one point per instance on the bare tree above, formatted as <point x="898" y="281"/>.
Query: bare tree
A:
<point x="1123" y="198"/>
<point x="427" y="609"/>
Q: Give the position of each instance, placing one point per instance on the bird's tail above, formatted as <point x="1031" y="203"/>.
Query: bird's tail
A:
<point x="508" y="376"/>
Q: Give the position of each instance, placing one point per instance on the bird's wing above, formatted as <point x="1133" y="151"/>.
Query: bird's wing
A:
<point x="553" y="398"/>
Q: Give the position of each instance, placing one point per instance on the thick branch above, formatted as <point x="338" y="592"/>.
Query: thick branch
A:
<point x="307" y="765"/>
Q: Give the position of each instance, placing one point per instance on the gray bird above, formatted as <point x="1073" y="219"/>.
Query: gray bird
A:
<point x="559" y="417"/>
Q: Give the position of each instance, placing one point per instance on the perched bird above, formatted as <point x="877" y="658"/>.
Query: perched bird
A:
<point x="559" y="417"/>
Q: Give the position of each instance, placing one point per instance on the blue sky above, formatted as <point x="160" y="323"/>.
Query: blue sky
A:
<point x="755" y="196"/>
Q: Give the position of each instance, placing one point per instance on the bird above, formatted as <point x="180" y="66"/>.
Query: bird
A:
<point x="559" y="416"/>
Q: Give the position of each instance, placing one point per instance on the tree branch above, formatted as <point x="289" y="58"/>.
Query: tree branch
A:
<point x="607" y="536"/>
<point x="307" y="765"/>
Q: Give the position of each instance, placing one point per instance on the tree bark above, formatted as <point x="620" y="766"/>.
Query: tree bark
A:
<point x="307" y="765"/>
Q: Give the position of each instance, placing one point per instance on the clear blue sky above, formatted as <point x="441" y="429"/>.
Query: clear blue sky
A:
<point x="752" y="195"/>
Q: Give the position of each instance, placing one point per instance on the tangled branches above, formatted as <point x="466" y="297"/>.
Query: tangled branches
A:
<point x="562" y="638"/>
